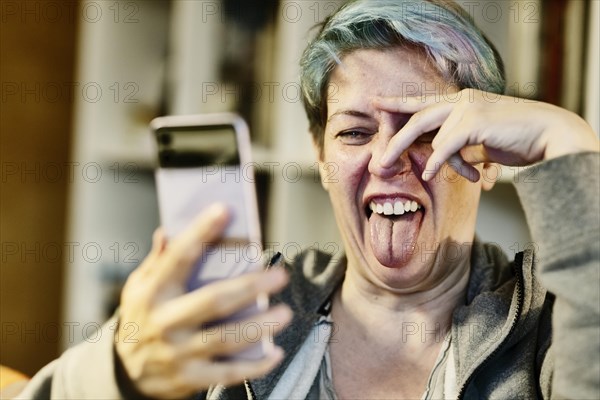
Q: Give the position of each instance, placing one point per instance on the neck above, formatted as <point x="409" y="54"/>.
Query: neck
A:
<point x="422" y="316"/>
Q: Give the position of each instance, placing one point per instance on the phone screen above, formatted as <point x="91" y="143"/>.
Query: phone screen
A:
<point x="198" y="147"/>
<point x="200" y="165"/>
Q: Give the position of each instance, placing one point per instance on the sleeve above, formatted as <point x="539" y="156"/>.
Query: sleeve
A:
<point x="86" y="371"/>
<point x="561" y="199"/>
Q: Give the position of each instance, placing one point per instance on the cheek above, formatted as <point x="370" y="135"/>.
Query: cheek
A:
<point x="456" y="199"/>
<point x="344" y="171"/>
<point x="419" y="154"/>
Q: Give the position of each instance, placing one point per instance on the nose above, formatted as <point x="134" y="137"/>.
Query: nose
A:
<point x="378" y="147"/>
<point x="402" y="164"/>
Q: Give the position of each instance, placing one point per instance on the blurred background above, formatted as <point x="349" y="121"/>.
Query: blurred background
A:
<point x="82" y="79"/>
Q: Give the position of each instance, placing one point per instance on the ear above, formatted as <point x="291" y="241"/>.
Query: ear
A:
<point x="319" y="152"/>
<point x="489" y="175"/>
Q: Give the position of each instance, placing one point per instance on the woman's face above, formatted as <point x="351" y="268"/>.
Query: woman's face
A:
<point x="392" y="251"/>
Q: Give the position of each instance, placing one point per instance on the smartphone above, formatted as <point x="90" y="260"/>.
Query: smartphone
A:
<point x="203" y="159"/>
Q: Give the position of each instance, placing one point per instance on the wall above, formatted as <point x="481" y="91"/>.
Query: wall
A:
<point x="37" y="51"/>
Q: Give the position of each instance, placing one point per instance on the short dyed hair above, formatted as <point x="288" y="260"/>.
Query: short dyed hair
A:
<point x="442" y="29"/>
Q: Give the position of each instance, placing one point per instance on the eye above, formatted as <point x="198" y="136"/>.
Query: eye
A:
<point x="354" y="137"/>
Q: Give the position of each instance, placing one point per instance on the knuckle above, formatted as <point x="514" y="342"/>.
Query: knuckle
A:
<point x="156" y="329"/>
<point x="169" y="356"/>
<point x="416" y="118"/>
<point x="135" y="294"/>
<point x="134" y="282"/>
<point x="221" y="346"/>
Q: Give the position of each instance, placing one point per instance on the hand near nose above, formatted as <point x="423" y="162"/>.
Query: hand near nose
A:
<point x="163" y="345"/>
<point x="477" y="127"/>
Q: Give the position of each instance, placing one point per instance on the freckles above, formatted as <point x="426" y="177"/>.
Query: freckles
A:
<point x="353" y="167"/>
<point x="349" y="170"/>
<point x="458" y="192"/>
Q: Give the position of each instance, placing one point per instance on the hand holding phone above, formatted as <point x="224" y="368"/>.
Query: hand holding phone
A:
<point x="205" y="159"/>
<point x="163" y="347"/>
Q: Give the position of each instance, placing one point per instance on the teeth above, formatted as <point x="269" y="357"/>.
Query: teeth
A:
<point x="396" y="208"/>
<point x="388" y="209"/>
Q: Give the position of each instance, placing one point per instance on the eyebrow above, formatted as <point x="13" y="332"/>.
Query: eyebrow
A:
<point x="352" y="113"/>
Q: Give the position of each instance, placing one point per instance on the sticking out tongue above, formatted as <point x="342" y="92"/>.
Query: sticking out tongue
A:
<point x="392" y="239"/>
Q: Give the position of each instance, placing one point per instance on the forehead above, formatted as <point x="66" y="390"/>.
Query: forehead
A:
<point x="371" y="73"/>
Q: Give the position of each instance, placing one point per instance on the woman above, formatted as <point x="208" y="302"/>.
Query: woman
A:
<point x="403" y="99"/>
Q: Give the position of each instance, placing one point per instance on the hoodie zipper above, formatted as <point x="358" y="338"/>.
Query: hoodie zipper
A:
<point x="518" y="266"/>
<point x="249" y="390"/>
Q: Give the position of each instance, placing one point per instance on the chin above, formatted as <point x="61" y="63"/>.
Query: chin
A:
<point x="409" y="274"/>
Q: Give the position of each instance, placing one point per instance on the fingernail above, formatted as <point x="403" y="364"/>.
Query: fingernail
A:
<point x="426" y="176"/>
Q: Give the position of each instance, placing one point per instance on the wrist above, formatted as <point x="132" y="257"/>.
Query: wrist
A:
<point x="570" y="136"/>
<point x="126" y="386"/>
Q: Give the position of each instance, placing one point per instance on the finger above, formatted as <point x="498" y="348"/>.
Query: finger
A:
<point x="475" y="154"/>
<point x="220" y="299"/>
<point x="405" y="104"/>
<point x="182" y="251"/>
<point x="449" y="152"/>
<point x="453" y="133"/>
<point x="455" y="162"/>
<point x="158" y="244"/>
<point x="442" y="153"/>
<point x="423" y="121"/>
<point x="466" y="170"/>
<point x="233" y="337"/>
<point x="159" y="240"/>
<point x="228" y="372"/>
<point x="455" y="138"/>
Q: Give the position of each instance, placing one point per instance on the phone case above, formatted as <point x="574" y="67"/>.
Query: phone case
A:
<point x="185" y="190"/>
